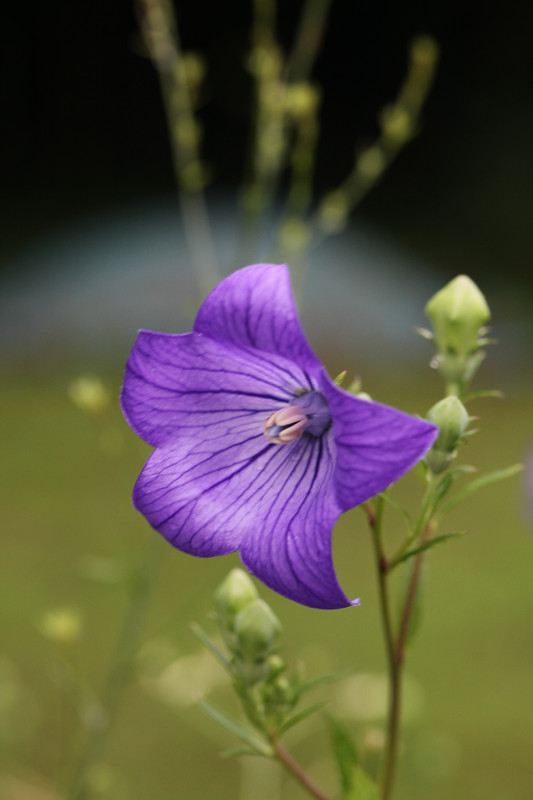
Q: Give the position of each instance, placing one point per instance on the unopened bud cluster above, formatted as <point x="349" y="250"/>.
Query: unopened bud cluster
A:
<point x="458" y="313"/>
<point x="251" y="632"/>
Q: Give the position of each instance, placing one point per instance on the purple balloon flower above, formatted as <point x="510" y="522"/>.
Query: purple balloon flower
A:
<point x="257" y="450"/>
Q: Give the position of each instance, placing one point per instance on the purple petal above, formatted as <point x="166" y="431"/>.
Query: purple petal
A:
<point x="276" y="503"/>
<point x="291" y="551"/>
<point x="254" y="307"/>
<point x="376" y="444"/>
<point x="179" y="383"/>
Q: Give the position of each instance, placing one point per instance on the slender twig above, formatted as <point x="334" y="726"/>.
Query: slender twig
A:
<point x="411" y="596"/>
<point x="394" y="666"/>
<point x="375" y="522"/>
<point x="159" y="26"/>
<point x="308" y="40"/>
<point x="399" y="124"/>
<point x="297" y="771"/>
<point x="395" y="642"/>
<point x="274" y="123"/>
<point x="120" y="670"/>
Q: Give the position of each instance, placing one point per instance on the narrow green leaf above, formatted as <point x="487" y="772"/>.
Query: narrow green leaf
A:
<point x="363" y="786"/>
<point x="479" y="483"/>
<point x="301" y="715"/>
<point x="345" y="754"/>
<point x="407" y="519"/>
<point x="235" y="727"/>
<point x="484" y="393"/>
<point x="234" y="752"/>
<point x="212" y="647"/>
<point x="427" y="545"/>
<point x="320" y="680"/>
<point x="448" y="480"/>
<point x="440" y="490"/>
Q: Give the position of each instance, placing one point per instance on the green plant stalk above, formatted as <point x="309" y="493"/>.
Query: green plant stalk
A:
<point x="120" y="669"/>
<point x="394" y="643"/>
<point x="375" y="518"/>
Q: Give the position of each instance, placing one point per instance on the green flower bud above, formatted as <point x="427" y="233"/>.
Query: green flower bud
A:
<point x="452" y="418"/>
<point x="279" y="695"/>
<point x="458" y="311"/>
<point x="276" y="666"/>
<point x="235" y="593"/>
<point x="257" y="630"/>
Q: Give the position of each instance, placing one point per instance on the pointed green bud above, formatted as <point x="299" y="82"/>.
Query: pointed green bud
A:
<point x="458" y="312"/>
<point x="257" y="630"/>
<point x="452" y="418"/>
<point x="235" y="593"/>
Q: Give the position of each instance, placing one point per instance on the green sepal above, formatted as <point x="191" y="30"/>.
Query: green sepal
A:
<point x="426" y="546"/>
<point x="259" y="746"/>
<point x="213" y="648"/>
<point x="345" y="755"/>
<point x="363" y="786"/>
<point x="340" y="378"/>
<point x="424" y="333"/>
<point x="300" y="716"/>
<point x="479" y="483"/>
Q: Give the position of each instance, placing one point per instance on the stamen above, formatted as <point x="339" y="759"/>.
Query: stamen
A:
<point x="307" y="412"/>
<point x="285" y="425"/>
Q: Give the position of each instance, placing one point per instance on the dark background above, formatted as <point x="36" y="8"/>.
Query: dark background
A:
<point x="84" y="128"/>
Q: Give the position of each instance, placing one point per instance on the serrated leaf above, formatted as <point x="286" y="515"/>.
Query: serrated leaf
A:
<point x="363" y="786"/>
<point x="426" y="546"/>
<point x="479" y="483"/>
<point x="345" y="754"/>
<point x="234" y="726"/>
<point x="300" y="716"/>
<point x="212" y="647"/>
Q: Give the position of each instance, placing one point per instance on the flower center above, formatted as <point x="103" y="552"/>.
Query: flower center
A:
<point x="307" y="412"/>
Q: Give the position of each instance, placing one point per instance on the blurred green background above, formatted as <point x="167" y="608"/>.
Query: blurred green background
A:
<point x="92" y="250"/>
<point x="72" y="541"/>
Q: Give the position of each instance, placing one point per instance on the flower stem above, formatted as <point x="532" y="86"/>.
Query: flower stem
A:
<point x="297" y="771"/>
<point x="119" y="672"/>
<point x="395" y="644"/>
<point x="394" y="665"/>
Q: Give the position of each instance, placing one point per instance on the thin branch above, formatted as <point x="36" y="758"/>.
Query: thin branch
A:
<point x="297" y="771"/>
<point x="308" y="40"/>
<point x="159" y="28"/>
